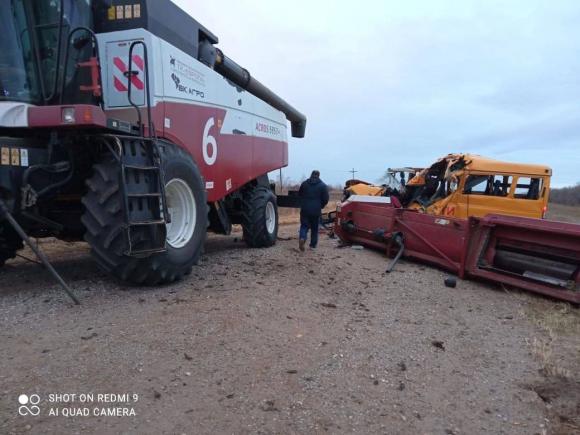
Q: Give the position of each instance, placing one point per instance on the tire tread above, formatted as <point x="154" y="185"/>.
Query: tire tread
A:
<point x="254" y="217"/>
<point x="105" y="228"/>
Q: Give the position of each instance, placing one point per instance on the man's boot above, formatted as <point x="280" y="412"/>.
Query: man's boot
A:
<point x="301" y="244"/>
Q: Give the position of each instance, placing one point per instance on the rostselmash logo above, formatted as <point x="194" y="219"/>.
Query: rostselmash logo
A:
<point x="28" y="404"/>
<point x="187" y="72"/>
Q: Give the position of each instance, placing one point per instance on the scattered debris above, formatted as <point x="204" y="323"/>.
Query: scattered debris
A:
<point x="88" y="337"/>
<point x="357" y="247"/>
<point x="187" y="356"/>
<point x="438" y="344"/>
<point x="268" y="406"/>
<point x="327" y="305"/>
<point x="450" y="282"/>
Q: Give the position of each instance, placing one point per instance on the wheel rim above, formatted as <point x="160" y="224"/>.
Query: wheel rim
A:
<point x="270" y="217"/>
<point x="182" y="210"/>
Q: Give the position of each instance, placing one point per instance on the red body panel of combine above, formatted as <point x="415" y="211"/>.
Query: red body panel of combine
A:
<point x="242" y="158"/>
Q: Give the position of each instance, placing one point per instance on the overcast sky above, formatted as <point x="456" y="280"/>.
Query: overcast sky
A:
<point x="394" y="83"/>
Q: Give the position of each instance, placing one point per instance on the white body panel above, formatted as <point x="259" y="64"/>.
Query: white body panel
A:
<point x="177" y="77"/>
<point x="13" y="114"/>
<point x="369" y="198"/>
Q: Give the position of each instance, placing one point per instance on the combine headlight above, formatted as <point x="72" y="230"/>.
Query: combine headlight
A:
<point x="68" y="115"/>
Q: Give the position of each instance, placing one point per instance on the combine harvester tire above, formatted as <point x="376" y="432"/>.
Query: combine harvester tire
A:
<point x="260" y="217"/>
<point x="186" y="234"/>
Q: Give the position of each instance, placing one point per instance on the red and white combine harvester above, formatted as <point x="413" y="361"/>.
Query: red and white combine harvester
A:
<point x="122" y="123"/>
<point x="532" y="254"/>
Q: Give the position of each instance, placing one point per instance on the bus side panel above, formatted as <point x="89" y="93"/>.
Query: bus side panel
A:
<point x="479" y="205"/>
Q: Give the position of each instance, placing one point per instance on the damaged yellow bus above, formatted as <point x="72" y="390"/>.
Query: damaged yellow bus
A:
<point x="464" y="185"/>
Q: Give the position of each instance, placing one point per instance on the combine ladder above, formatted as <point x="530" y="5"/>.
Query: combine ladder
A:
<point x="143" y="191"/>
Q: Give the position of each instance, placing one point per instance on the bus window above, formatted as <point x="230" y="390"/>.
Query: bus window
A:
<point x="491" y="185"/>
<point x="528" y="188"/>
<point x="501" y="185"/>
<point x="476" y="184"/>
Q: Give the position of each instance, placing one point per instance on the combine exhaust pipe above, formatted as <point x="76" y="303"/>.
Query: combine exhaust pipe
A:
<point x="242" y="78"/>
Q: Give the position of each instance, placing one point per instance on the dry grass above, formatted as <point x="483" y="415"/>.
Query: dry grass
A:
<point x="543" y="351"/>
<point x="564" y="213"/>
<point x="558" y="351"/>
<point x="559" y="321"/>
<point x="560" y="318"/>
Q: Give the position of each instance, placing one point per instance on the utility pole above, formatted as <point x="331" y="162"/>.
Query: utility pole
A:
<point x="281" y="185"/>
<point x="353" y="172"/>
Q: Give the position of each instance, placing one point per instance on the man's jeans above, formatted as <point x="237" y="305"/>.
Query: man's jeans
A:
<point x="309" y="222"/>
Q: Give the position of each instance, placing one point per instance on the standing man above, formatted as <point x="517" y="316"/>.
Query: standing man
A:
<point x="314" y="195"/>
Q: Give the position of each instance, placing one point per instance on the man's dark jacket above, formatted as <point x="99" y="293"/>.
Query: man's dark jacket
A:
<point x="314" y="195"/>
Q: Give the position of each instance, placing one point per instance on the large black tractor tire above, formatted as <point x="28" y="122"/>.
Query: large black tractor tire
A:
<point x="260" y="217"/>
<point x="104" y="223"/>
<point x="10" y="243"/>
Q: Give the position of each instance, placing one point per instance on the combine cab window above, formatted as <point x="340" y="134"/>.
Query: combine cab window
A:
<point x="528" y="188"/>
<point x="30" y="59"/>
<point x="491" y="185"/>
<point x="18" y="74"/>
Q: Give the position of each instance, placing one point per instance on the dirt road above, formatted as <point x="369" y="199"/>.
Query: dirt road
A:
<point x="275" y="341"/>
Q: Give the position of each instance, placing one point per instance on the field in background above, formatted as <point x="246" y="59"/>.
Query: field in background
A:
<point x="566" y="195"/>
<point x="290" y="216"/>
<point x="564" y="213"/>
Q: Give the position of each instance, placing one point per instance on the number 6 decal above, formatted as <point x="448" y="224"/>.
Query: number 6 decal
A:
<point x="207" y="141"/>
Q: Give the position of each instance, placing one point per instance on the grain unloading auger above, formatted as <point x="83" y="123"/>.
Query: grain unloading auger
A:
<point x="531" y="254"/>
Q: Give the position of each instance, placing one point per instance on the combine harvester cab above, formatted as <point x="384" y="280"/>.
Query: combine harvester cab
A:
<point x="532" y="254"/>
